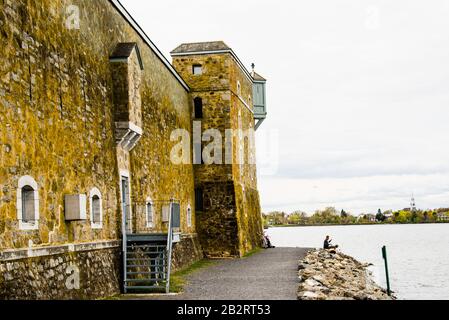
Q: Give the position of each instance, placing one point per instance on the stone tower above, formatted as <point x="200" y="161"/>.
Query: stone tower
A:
<point x="227" y="205"/>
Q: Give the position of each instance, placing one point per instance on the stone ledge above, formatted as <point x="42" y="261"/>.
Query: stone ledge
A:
<point x="189" y="235"/>
<point x="17" y="254"/>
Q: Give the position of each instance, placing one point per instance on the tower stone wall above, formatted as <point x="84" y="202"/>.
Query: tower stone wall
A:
<point x="230" y="222"/>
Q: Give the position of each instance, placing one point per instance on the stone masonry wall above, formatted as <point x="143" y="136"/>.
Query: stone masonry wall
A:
<point x="56" y="96"/>
<point x="57" y="125"/>
<point x="56" y="276"/>
<point x="244" y="169"/>
<point x="186" y="252"/>
<point x="56" y="122"/>
<point x="216" y="74"/>
<point x="126" y="79"/>
<point x="249" y="221"/>
<point x="226" y="105"/>
<point x="217" y="223"/>
<point x="216" y="110"/>
<point x="213" y="88"/>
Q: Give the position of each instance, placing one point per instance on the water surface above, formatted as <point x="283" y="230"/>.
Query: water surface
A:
<point x="418" y="255"/>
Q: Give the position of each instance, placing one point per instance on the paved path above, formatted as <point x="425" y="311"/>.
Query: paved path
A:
<point x="268" y="275"/>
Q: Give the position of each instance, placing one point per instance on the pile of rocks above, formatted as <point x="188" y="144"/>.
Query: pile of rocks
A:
<point x="330" y="275"/>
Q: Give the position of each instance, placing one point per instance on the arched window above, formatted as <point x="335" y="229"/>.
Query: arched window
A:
<point x="28" y="204"/>
<point x="198" y="107"/>
<point x="96" y="209"/>
<point x="149" y="210"/>
<point x="189" y="216"/>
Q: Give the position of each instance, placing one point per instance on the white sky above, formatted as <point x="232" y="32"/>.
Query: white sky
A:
<point x="358" y="94"/>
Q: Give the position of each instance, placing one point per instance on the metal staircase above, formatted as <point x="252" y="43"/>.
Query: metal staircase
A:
<point x="147" y="258"/>
<point x="146" y="262"/>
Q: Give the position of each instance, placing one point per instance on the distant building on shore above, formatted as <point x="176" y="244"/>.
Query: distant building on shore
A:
<point x="442" y="216"/>
<point x="368" y="217"/>
<point x="388" y="216"/>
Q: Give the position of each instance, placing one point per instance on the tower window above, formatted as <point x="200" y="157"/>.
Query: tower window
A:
<point x="27" y="204"/>
<point x="199" y="205"/>
<point x="197" y="69"/>
<point x="149" y="214"/>
<point x="96" y="210"/>
<point x="198" y="106"/>
<point x="189" y="216"/>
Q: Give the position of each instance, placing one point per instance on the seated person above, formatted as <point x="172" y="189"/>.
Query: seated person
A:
<point x="266" y="242"/>
<point x="327" y="243"/>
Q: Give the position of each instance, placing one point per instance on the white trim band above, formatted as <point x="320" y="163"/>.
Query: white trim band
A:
<point x="16" y="254"/>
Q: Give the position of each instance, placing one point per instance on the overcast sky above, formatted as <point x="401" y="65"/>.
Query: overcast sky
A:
<point x="358" y="94"/>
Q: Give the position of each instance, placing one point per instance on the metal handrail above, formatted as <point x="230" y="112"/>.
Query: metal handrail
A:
<point x="169" y="247"/>
<point x="136" y="207"/>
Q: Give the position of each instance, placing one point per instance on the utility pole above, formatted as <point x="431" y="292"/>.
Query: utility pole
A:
<point x="384" y="256"/>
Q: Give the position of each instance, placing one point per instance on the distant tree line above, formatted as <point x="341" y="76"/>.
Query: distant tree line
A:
<point x="330" y="215"/>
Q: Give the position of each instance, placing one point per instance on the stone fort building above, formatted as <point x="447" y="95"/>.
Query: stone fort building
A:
<point x="88" y="107"/>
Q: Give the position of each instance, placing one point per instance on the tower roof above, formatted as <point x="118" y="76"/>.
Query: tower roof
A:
<point x="124" y="50"/>
<point x="257" y="77"/>
<point x="201" y="47"/>
<point x="210" y="47"/>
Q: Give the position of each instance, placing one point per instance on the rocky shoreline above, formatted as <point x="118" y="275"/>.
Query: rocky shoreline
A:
<point x="332" y="275"/>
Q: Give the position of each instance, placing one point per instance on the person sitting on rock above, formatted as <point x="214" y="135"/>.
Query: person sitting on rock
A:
<point x="327" y="243"/>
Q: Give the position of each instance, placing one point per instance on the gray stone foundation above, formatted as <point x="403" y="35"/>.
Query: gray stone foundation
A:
<point x="76" y="271"/>
<point x="82" y="271"/>
<point x="186" y="252"/>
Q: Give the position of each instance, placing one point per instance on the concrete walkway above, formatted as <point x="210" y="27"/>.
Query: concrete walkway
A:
<point x="268" y="275"/>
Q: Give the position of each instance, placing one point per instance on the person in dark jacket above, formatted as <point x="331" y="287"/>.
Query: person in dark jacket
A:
<point x="266" y="241"/>
<point x="327" y="243"/>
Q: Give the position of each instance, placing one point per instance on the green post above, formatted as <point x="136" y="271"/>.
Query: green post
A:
<point x="384" y="255"/>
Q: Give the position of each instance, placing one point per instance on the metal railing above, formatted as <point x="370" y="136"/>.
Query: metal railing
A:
<point x="167" y="213"/>
<point x="137" y="221"/>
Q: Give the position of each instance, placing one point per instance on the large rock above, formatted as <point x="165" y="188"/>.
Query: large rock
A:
<point x="335" y="276"/>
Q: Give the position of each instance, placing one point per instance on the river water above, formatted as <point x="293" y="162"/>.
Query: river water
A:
<point x="418" y="255"/>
